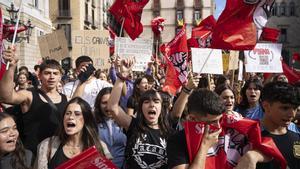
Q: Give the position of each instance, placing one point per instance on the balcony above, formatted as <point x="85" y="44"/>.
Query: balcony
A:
<point x="64" y="14"/>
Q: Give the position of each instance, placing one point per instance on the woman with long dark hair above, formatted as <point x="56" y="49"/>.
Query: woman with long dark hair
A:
<point x="12" y="153"/>
<point x="250" y="106"/>
<point x="139" y="87"/>
<point x="147" y="134"/>
<point x="109" y="131"/>
<point x="78" y="132"/>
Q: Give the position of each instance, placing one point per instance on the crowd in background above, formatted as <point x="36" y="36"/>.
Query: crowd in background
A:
<point x="51" y="115"/>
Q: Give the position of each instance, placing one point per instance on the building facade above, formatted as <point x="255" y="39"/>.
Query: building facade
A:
<point x="285" y="17"/>
<point x="38" y="13"/>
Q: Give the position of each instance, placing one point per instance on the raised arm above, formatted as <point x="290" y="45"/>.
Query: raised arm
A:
<point x="7" y="93"/>
<point x="183" y="97"/>
<point x="119" y="115"/>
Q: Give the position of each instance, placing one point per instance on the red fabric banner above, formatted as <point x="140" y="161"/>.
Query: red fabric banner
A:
<point x="237" y="137"/>
<point x="235" y="29"/>
<point x="201" y="35"/>
<point x="130" y="12"/>
<point x="89" y="159"/>
<point x="176" y="53"/>
<point x="157" y="25"/>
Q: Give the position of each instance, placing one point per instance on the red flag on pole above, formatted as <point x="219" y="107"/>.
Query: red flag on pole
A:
<point x="201" y="35"/>
<point x="235" y="29"/>
<point x="176" y="52"/>
<point x="129" y="12"/>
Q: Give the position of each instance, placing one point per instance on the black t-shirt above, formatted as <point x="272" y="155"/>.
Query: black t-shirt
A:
<point x="176" y="150"/>
<point x="41" y="121"/>
<point x="289" y="146"/>
<point x="147" y="150"/>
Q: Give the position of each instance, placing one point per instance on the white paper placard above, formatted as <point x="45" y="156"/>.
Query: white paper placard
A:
<point x="214" y="63"/>
<point x="140" y="48"/>
<point x="264" y="58"/>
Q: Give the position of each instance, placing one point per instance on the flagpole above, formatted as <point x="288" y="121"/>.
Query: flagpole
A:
<point x="15" y="31"/>
<point x="123" y="20"/>
<point x="206" y="61"/>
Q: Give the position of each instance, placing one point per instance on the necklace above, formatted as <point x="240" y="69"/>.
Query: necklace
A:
<point x="73" y="150"/>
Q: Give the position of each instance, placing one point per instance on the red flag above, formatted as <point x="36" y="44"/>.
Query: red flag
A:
<point x="89" y="159"/>
<point x="111" y="41"/>
<point x="291" y="74"/>
<point x="235" y="29"/>
<point x="238" y="136"/>
<point x="201" y="35"/>
<point x="176" y="52"/>
<point x="157" y="25"/>
<point x="130" y="12"/>
<point x="2" y="69"/>
<point x="172" y="84"/>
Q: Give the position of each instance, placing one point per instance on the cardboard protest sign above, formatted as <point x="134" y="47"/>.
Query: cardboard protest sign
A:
<point x="92" y="43"/>
<point x="89" y="159"/>
<point x="225" y="59"/>
<point x="264" y="58"/>
<point x="54" y="45"/>
<point x="212" y="65"/>
<point x="233" y="60"/>
<point x="140" y="48"/>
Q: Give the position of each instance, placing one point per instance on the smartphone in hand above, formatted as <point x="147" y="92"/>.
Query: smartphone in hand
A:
<point x="83" y="76"/>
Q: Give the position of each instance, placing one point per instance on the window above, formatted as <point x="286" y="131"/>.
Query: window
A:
<point x="35" y="3"/>
<point x="274" y="10"/>
<point x="67" y="29"/>
<point x="64" y="8"/>
<point x="86" y="11"/>
<point x="292" y="9"/>
<point x="197" y="17"/>
<point x="179" y="17"/>
<point x="283" y="35"/>
<point x="283" y="9"/>
<point x="93" y="17"/>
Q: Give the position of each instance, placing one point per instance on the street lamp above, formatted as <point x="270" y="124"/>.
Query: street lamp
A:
<point x="13" y="13"/>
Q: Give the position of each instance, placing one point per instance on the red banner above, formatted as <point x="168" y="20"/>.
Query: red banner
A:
<point x="89" y="159"/>
<point x="237" y="137"/>
<point x="235" y="29"/>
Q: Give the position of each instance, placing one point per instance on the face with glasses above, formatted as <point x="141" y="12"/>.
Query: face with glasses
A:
<point x="73" y="119"/>
<point x="8" y="135"/>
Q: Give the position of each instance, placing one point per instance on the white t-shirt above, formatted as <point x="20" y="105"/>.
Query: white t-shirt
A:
<point x="91" y="90"/>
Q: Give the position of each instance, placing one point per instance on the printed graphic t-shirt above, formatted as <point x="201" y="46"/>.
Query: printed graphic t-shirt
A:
<point x="147" y="150"/>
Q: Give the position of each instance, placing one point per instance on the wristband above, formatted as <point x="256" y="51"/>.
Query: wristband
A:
<point x="121" y="77"/>
<point x="186" y="90"/>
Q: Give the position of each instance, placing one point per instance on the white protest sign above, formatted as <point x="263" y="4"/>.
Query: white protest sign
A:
<point x="140" y="48"/>
<point x="265" y="57"/>
<point x="92" y="43"/>
<point x="214" y="63"/>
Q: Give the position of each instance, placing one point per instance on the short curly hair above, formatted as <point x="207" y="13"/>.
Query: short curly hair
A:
<point x="281" y="92"/>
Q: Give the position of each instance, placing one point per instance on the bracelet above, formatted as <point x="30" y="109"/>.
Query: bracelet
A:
<point x="121" y="77"/>
<point x="186" y="90"/>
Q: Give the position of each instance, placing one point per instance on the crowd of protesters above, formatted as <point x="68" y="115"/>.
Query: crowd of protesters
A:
<point x="46" y="120"/>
